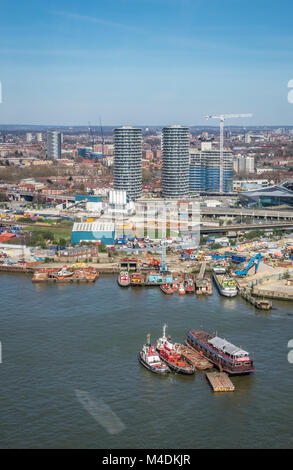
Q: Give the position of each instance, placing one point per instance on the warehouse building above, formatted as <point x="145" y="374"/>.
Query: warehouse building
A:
<point x="95" y="232"/>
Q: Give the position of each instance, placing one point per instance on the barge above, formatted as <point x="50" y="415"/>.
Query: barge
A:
<point x="224" y="355"/>
<point x="226" y="285"/>
<point x="65" y="275"/>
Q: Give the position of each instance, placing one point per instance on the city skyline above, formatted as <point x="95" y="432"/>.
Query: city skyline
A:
<point x="151" y="61"/>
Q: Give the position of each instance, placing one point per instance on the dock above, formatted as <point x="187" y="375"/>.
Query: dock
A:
<point x="202" y="270"/>
<point x="220" y="382"/>
<point x="260" y="304"/>
<point x="194" y="358"/>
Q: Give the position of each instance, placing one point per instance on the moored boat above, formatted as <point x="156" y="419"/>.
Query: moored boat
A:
<point x="150" y="359"/>
<point x="226" y="285"/>
<point x="225" y="356"/>
<point x="137" y="279"/>
<point x="181" y="289"/>
<point x="123" y="279"/>
<point x="64" y="273"/>
<point x="189" y="287"/>
<point x="219" y="269"/>
<point x="166" y="288"/>
<point x="169" y="353"/>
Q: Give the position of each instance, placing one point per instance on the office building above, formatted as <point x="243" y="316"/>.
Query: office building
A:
<point x="127" y="161"/>
<point x="204" y="169"/>
<point x="54" y="141"/>
<point x="175" y="167"/>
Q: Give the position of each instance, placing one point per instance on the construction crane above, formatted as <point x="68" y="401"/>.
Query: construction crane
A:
<point x="253" y="262"/>
<point x="102" y="135"/>
<point x="222" y="118"/>
<point x="92" y="136"/>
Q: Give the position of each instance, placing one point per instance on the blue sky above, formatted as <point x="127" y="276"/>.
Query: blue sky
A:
<point x="153" y="62"/>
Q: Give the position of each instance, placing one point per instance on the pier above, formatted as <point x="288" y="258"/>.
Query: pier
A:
<point x="220" y="382"/>
<point x="260" y="304"/>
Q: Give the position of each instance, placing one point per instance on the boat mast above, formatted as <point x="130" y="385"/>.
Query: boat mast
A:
<point x="164" y="331"/>
<point x="148" y="339"/>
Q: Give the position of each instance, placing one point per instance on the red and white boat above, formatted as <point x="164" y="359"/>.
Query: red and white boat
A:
<point x="123" y="279"/>
<point x="150" y="359"/>
<point x="181" y="289"/>
<point x="189" y="287"/>
<point x="167" y="289"/>
<point x="168" y="352"/>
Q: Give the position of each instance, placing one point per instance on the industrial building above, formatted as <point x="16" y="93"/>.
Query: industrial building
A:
<point x="274" y="196"/>
<point x="175" y="169"/>
<point x="95" y="232"/>
<point x="54" y="143"/>
<point x="127" y="161"/>
<point x="204" y="169"/>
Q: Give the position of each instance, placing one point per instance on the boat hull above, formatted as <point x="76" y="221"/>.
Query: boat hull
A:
<point x="155" y="370"/>
<point x="123" y="283"/>
<point x="177" y="369"/>
<point x="166" y="291"/>
<point x="217" y="360"/>
<point x="222" y="290"/>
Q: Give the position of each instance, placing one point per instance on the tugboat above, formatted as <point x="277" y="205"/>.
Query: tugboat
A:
<point x="167" y="289"/>
<point x="189" y="287"/>
<point x="181" y="290"/>
<point x="123" y="279"/>
<point x="175" y="287"/>
<point x="150" y="359"/>
<point x="169" y="354"/>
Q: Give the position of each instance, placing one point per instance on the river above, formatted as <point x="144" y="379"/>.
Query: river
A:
<point x="70" y="376"/>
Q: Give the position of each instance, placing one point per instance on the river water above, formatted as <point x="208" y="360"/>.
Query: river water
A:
<point x="70" y="376"/>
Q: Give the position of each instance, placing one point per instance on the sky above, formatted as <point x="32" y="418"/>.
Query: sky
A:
<point x="145" y="62"/>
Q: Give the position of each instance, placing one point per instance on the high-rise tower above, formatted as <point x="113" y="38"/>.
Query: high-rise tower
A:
<point x="127" y="161"/>
<point x="175" y="170"/>
<point x="54" y="141"/>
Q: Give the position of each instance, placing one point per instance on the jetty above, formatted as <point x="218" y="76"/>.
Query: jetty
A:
<point x="220" y="382"/>
<point x="263" y="304"/>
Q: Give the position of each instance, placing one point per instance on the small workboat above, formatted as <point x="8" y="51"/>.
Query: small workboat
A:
<point x="181" y="290"/>
<point x="189" y="287"/>
<point x="167" y="288"/>
<point x="123" y="279"/>
<point x="175" y="287"/>
<point x="150" y="359"/>
<point x="64" y="273"/>
<point x="168" y="352"/>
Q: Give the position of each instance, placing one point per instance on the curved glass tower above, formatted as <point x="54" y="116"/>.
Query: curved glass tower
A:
<point x="127" y="161"/>
<point x="175" y="170"/>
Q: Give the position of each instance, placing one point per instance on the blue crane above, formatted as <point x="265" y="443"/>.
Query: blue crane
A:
<point x="253" y="262"/>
